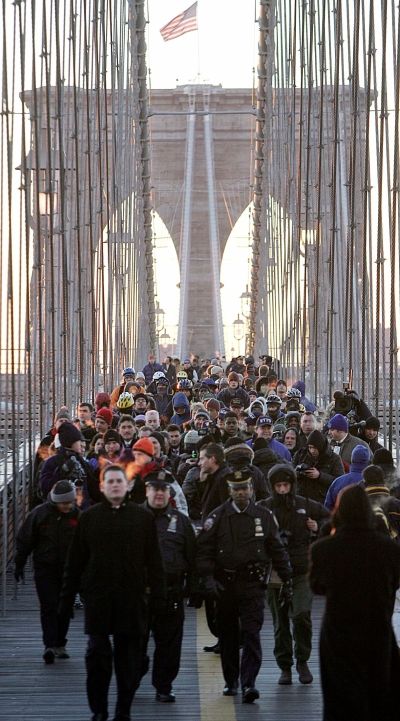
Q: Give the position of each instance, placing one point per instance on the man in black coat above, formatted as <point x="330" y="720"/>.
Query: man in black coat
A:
<point x="358" y="570"/>
<point x="235" y="548"/>
<point x="114" y="558"/>
<point x="317" y="465"/>
<point x="47" y="533"/>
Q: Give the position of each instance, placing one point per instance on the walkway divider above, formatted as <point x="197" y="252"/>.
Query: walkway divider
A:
<point x="213" y="706"/>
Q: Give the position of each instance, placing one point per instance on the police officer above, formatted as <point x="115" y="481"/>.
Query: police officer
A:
<point x="235" y="547"/>
<point x="177" y="544"/>
<point x="299" y="521"/>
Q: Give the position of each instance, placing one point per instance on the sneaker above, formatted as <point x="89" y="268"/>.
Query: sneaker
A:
<point x="285" y="679"/>
<point x="250" y="694"/>
<point x="305" y="675"/>
<point x="230" y="690"/>
<point x="165" y="697"/>
<point x="212" y="649"/>
<point x="60" y="652"/>
<point x="49" y="656"/>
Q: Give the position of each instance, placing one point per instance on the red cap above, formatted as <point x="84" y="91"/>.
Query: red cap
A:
<point x="145" y="446"/>
<point x="105" y="414"/>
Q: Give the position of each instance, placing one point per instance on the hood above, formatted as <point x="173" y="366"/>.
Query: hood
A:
<point x="260" y="401"/>
<point x="360" y="458"/>
<point x="261" y="381"/>
<point x="317" y="439"/>
<point x="180" y="399"/>
<point x="301" y="386"/>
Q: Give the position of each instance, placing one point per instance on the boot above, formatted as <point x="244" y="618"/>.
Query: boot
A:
<point x="285" y="679"/>
<point x="305" y="675"/>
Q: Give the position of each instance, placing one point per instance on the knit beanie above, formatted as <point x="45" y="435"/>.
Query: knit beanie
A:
<point x="102" y="399"/>
<point x="212" y="404"/>
<point x="317" y="439"/>
<point x="145" y="446"/>
<point x="373" y="422"/>
<point x="111" y="435"/>
<point x="160" y="438"/>
<point x="191" y="438"/>
<point x="373" y="476"/>
<point x="105" y="414"/>
<point x="339" y="423"/>
<point x="360" y="456"/>
<point x="383" y="457"/>
<point x="63" y="492"/>
<point x="68" y="434"/>
<point x="62" y="413"/>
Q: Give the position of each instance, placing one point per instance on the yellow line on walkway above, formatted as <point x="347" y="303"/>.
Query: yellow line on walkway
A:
<point x="213" y="706"/>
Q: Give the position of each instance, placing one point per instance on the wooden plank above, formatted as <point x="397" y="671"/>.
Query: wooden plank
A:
<point x="30" y="689"/>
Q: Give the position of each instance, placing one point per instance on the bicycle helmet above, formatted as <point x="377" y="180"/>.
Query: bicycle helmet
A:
<point x="185" y="385"/>
<point x="273" y="398"/>
<point x="293" y="393"/>
<point x="181" y="374"/>
<point x="129" y="371"/>
<point x="125" y="400"/>
<point x="157" y="375"/>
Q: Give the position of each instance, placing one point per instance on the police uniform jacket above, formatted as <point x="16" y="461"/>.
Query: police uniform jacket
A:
<point x="233" y="540"/>
<point x="178" y="547"/>
<point x="47" y="534"/>
<point x="114" y="557"/>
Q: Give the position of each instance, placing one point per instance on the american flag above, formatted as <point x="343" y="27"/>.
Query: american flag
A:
<point x="182" y="23"/>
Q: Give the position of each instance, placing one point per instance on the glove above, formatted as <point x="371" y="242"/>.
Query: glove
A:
<point x="19" y="573"/>
<point x="195" y="600"/>
<point x="212" y="587"/>
<point x="286" y="594"/>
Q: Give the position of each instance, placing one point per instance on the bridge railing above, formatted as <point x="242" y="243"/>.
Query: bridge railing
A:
<point x="15" y="484"/>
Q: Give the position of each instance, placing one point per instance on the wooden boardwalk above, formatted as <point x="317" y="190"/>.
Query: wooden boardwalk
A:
<point x="31" y="690"/>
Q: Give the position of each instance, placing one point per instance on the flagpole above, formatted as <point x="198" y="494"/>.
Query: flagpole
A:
<point x="198" y="43"/>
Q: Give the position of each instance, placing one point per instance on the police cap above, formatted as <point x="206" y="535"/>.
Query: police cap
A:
<point x="160" y="479"/>
<point x="238" y="479"/>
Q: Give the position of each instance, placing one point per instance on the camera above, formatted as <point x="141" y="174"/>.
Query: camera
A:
<point x="302" y="468"/>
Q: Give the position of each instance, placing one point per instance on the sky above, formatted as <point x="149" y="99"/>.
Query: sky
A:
<point x="222" y="52"/>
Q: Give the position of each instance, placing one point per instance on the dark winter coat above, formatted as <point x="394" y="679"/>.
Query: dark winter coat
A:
<point x="358" y="571"/>
<point x="227" y="394"/>
<point x="292" y="513"/>
<point x="264" y="459"/>
<point x="178" y="549"/>
<point x="329" y="466"/>
<point x="47" y="534"/>
<point x="203" y="496"/>
<point x="67" y="464"/>
<point x="114" y="557"/>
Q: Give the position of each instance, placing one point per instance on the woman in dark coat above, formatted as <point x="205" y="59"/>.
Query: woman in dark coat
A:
<point x="358" y="571"/>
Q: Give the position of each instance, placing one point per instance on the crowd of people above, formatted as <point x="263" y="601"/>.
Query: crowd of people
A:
<point x="202" y="482"/>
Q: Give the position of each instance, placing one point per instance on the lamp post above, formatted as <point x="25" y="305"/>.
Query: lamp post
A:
<point x="238" y="330"/>
<point x="245" y="300"/>
<point x="160" y="323"/>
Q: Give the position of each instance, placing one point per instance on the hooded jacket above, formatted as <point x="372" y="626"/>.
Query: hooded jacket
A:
<point x="328" y="464"/>
<point x="292" y="512"/>
<point x="180" y="399"/>
<point x="308" y="405"/>
<point x="360" y="459"/>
